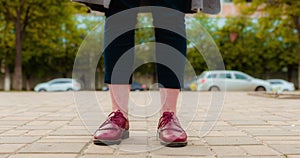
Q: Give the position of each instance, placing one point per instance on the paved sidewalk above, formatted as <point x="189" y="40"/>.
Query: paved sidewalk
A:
<point x="47" y="125"/>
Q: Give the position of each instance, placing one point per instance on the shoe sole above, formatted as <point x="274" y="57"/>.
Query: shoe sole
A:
<point x="125" y="135"/>
<point x="173" y="144"/>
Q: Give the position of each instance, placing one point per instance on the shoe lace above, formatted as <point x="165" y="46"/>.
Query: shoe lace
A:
<point x="166" y="118"/>
<point x="114" y="117"/>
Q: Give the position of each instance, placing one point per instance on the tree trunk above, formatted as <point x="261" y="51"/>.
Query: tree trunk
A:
<point x="154" y="77"/>
<point x="7" y="79"/>
<point x="17" y="79"/>
<point x="28" y="88"/>
<point x="298" y="59"/>
<point x="297" y="22"/>
<point x="98" y="81"/>
<point x="290" y="73"/>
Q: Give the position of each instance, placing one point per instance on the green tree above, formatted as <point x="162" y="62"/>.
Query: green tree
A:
<point x="35" y="20"/>
<point x="196" y="31"/>
<point x="285" y="15"/>
<point x="145" y="51"/>
<point x="6" y="50"/>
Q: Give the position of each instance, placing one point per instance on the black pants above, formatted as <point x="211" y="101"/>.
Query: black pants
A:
<point x="169" y="65"/>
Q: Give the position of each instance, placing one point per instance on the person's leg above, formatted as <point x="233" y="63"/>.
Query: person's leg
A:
<point x="117" y="75"/>
<point x="168" y="99"/>
<point x="170" y="58"/>
<point x="170" y="61"/>
<point x="119" y="96"/>
<point x="118" y="41"/>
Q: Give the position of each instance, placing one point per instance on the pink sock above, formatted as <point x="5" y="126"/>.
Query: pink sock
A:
<point x="119" y="95"/>
<point x="169" y="99"/>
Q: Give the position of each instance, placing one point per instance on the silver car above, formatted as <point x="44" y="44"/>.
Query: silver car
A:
<point x="60" y="84"/>
<point x="279" y="85"/>
<point x="230" y="81"/>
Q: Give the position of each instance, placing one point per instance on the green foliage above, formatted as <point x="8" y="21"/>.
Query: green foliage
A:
<point x="53" y="30"/>
<point x="279" y="20"/>
<point x="49" y="35"/>
<point x="262" y="45"/>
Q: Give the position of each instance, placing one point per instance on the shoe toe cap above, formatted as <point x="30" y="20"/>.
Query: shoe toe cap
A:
<point x="171" y="136"/>
<point x="108" y="135"/>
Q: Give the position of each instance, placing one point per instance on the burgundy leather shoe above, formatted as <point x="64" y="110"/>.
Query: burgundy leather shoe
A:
<point x="170" y="131"/>
<point x="113" y="130"/>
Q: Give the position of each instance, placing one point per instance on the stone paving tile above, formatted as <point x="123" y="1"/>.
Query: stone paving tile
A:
<point x="286" y="142"/>
<point x="3" y="155"/>
<point x="188" y="150"/>
<point x="73" y="127"/>
<point x="37" y="132"/>
<point x="65" y="139"/>
<point x="21" y="118"/>
<point x="272" y="133"/>
<point x="215" y="134"/>
<point x="287" y="149"/>
<point x="165" y="156"/>
<point x="297" y="122"/>
<point x="196" y="125"/>
<point x="295" y="128"/>
<point x="53" y="148"/>
<point x="115" y="156"/>
<point x="248" y="156"/>
<point x="138" y="125"/>
<point x="43" y="156"/>
<point x="228" y="150"/>
<point x="18" y="139"/>
<point x="224" y="128"/>
<point x="10" y="148"/>
<point x="279" y="138"/>
<point x="233" y="133"/>
<point x="56" y="118"/>
<point x="5" y="128"/>
<point x="278" y="123"/>
<point x="77" y="123"/>
<point x="222" y="141"/>
<point x="193" y="133"/>
<point x="247" y="122"/>
<point x="12" y="123"/>
<point x="135" y="140"/>
<point x="154" y="144"/>
<point x="57" y="123"/>
<point x="130" y="152"/>
<point x="293" y="156"/>
<point x="259" y="150"/>
<point x="47" y="125"/>
<point x="66" y="132"/>
<point x="196" y="141"/>
<point x="38" y="127"/>
<point x="100" y="150"/>
<point x="125" y="149"/>
<point x="37" y="123"/>
<point x="253" y="127"/>
<point x="14" y="132"/>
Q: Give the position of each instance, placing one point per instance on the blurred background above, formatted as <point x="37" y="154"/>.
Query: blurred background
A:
<point x="39" y="40"/>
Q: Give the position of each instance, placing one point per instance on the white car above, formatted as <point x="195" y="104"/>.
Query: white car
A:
<point x="229" y="80"/>
<point x="60" y="84"/>
<point x="279" y="85"/>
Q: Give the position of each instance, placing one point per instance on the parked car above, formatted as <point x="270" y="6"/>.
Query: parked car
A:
<point x="230" y="81"/>
<point x="59" y="84"/>
<point x="191" y="85"/>
<point x="279" y="85"/>
<point x="135" y="86"/>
